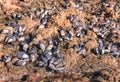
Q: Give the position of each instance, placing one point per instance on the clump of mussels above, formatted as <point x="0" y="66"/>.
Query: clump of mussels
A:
<point x="49" y="55"/>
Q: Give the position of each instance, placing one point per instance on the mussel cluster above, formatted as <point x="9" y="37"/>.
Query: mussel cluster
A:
<point x="44" y="55"/>
<point x="49" y="55"/>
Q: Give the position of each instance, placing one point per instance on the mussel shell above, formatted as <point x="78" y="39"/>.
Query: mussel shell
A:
<point x="20" y="63"/>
